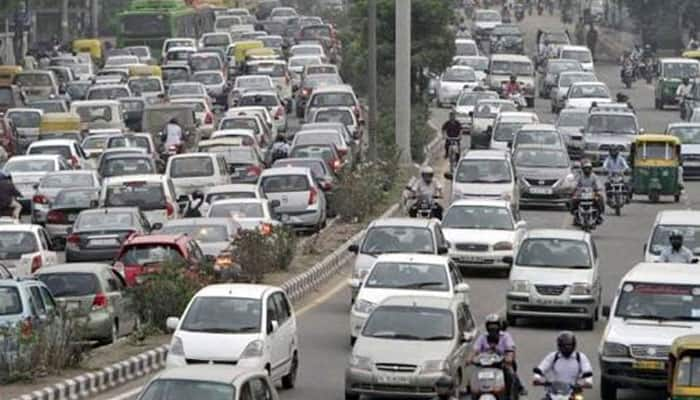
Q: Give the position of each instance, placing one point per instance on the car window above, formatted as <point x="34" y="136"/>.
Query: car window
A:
<point x="48" y="299"/>
<point x="454" y="274"/>
<point x="282" y="307"/>
<point x="44" y="239"/>
<point x="37" y="301"/>
<point x="10" y="301"/>
<point x="469" y="318"/>
<point x="461" y="320"/>
<point x="272" y="314"/>
<point x="439" y="237"/>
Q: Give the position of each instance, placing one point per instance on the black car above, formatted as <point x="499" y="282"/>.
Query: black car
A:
<point x="64" y="210"/>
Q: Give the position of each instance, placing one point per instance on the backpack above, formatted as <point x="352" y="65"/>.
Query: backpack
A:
<point x="578" y="361"/>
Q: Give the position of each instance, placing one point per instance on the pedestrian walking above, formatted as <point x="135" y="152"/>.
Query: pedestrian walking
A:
<point x="592" y="39"/>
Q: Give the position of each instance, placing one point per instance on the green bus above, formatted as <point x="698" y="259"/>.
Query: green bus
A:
<point x="150" y="22"/>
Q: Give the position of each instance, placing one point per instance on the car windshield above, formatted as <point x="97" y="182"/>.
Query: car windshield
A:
<point x="205" y="63"/>
<point x="202" y="233"/>
<point x="135" y="141"/>
<point x="554" y="253"/>
<point x="504" y="131"/>
<point x="255" y="82"/>
<point x="395" y="275"/>
<point x="212" y="197"/>
<point x="541" y="158"/>
<point x="227" y="22"/>
<point x="478" y="217"/>
<point x="555" y="67"/>
<point x="29" y="165"/>
<point x="324" y="152"/>
<point x="284" y="183"/>
<point x="171" y="389"/>
<point x="175" y="74"/>
<point x="70" y="284"/>
<point x="272" y="42"/>
<point x="94" y="143"/>
<point x="471" y="98"/>
<point x="152" y="254"/>
<point x="333" y="100"/>
<point x="550" y="138"/>
<point x="410" y="323"/>
<point x="622" y="124"/>
<point x="127" y="166"/>
<point x="139" y="51"/>
<point x="29" y="79"/>
<point x="107" y="93"/>
<point x="259" y="100"/>
<point x="680" y="70"/>
<point x="303" y="61"/>
<point x="459" y="75"/>
<point x="686" y="134"/>
<point x="589" y="91"/>
<point x="317" y="167"/>
<point x="318" y="138"/>
<point x="67" y="180"/>
<point x="660" y="237"/>
<point x="566" y="80"/>
<point x="386" y="239"/>
<point x="191" y="167"/>
<point x="64" y="151"/>
<point x="572" y="119"/>
<point x="581" y="56"/>
<point x="145" y="85"/>
<point x="511" y="68"/>
<point x="488" y="16"/>
<point x="208" y="78"/>
<point x="147" y="196"/>
<point x="240" y="123"/>
<point x="466" y="49"/>
<point x="74" y="198"/>
<point x="10" y="301"/>
<point x="221" y="40"/>
<point x="25" y="119"/>
<point x="185" y="90"/>
<point x="478" y="64"/>
<point x="659" y="302"/>
<point x="315" y="81"/>
<point x="91" y="221"/>
<point x="483" y="171"/>
<point x="237" y="210"/>
<point x="491" y="109"/>
<point x="244" y="315"/>
<point x="17" y="243"/>
<point x="343" y="116"/>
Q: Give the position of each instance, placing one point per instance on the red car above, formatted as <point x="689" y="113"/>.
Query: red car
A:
<point x="144" y="254"/>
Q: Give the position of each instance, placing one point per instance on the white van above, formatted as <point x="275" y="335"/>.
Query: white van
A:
<point x="655" y="303"/>
<point x="686" y="221"/>
<point x="196" y="171"/>
<point x="153" y="194"/>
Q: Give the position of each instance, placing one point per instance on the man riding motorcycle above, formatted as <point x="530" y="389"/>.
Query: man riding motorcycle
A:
<point x="279" y="149"/>
<point x="172" y="135"/>
<point x="589" y="180"/>
<point x="452" y="129"/>
<point x="429" y="188"/>
<point x="682" y="92"/>
<point x="565" y="365"/>
<point x="676" y="253"/>
<point x="445" y="388"/>
<point x="8" y="197"/>
<point x="512" y="87"/>
<point x="615" y="165"/>
<point x="496" y="340"/>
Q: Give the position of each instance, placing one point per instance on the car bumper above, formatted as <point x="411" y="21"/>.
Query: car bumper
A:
<point x="555" y="199"/>
<point x="622" y="373"/>
<point x="480" y="260"/>
<point x="691" y="169"/>
<point x="370" y="383"/>
<point x="523" y="305"/>
<point x="300" y="220"/>
<point x="57" y="231"/>
<point x="96" y="326"/>
<point x="356" y="322"/>
<point x="449" y="97"/>
<point x="254" y="363"/>
<point x="78" y="255"/>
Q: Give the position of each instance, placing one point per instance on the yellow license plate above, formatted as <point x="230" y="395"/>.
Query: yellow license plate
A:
<point x="648" y="364"/>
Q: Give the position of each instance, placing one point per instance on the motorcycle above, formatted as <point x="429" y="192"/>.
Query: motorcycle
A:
<point x="617" y="192"/>
<point x="649" y="70"/>
<point x="488" y="380"/>
<point x="586" y="215"/>
<point x="425" y="205"/>
<point x="517" y="98"/>
<point x="519" y="12"/>
<point x="453" y="152"/>
<point x="550" y="7"/>
<point x="628" y="75"/>
<point x="540" y="8"/>
<point x="562" y="391"/>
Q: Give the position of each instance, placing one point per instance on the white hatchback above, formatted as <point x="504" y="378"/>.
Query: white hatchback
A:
<point x="25" y="248"/>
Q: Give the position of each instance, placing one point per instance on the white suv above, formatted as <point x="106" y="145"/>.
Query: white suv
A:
<point x="251" y="326"/>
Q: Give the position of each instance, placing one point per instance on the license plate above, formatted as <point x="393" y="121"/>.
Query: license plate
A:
<point x="649" y="364"/>
<point x="103" y="242"/>
<point x="394" y="379"/>
<point x="541" y="190"/>
<point x="487" y="375"/>
<point x="549" y="302"/>
<point x="71" y="217"/>
<point x="470" y="259"/>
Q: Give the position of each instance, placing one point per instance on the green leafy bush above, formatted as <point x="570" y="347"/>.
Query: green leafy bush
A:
<point x="258" y="253"/>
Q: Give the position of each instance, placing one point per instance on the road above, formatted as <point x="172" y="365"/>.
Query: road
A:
<point x="324" y="329"/>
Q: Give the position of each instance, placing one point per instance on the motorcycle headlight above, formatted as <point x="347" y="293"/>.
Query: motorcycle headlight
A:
<point x="520" y="286"/>
<point x="359" y="362"/>
<point x="254" y="349"/>
<point x="176" y="347"/>
<point x="581" y="289"/>
<point x="364" y="306"/>
<point x="612" y="349"/>
<point x="435" y="366"/>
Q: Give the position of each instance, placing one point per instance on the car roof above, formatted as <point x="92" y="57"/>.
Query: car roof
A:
<point x="135" y="178"/>
<point x="156" y="238"/>
<point x="74" y="267"/>
<point x="245" y="290"/>
<point x="53" y="157"/>
<point x="226" y="374"/>
<point x="106" y="210"/>
<point x="428" y="301"/>
<point x="243" y="187"/>
<point x="413" y="258"/>
<point x="53" y="142"/>
<point x="402" y="222"/>
<point x="678" y="217"/>
<point x="95" y="103"/>
<point x="538" y="127"/>
<point x="589" y="83"/>
<point x="663" y="273"/>
<point x="678" y="60"/>
<point x="574" y="47"/>
<point x="683" y="124"/>
<point x="334" y="88"/>
<point x="511" y="57"/>
<point x="569" y="234"/>
<point x="199" y="221"/>
<point x="486" y="155"/>
<point x="477" y="202"/>
<point x="284" y="171"/>
<point x="19" y="227"/>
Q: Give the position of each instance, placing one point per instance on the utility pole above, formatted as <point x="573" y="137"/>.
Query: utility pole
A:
<point x="403" y="79"/>
<point x="94" y="17"/>
<point x="64" y="21"/>
<point x="372" y="68"/>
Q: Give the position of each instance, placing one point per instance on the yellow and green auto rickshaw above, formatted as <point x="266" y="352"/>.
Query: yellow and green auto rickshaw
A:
<point x="8" y="72"/>
<point x="655" y="161"/>
<point x="694" y="54"/>
<point x="684" y="368"/>
<point x="93" y="46"/>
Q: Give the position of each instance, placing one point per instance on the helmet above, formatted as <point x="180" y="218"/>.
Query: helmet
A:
<point x="513" y="78"/>
<point x="491" y="320"/>
<point x="427" y="172"/>
<point x="686" y="80"/>
<point x="444" y="385"/>
<point x="675" y="234"/>
<point x="676" y="239"/>
<point x="566" y="343"/>
<point x="586" y="164"/>
<point x="614" y="151"/>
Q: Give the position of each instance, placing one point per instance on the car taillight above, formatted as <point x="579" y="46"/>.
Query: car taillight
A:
<point x="306" y="92"/>
<point x="40" y="199"/>
<point x="36" y="263"/>
<point x="279" y="113"/>
<point x="169" y="209"/>
<point x="26" y="327"/>
<point x="209" y="118"/>
<point x="253" y="170"/>
<point x="266" y="229"/>
<point x="73" y="239"/>
<point x="56" y="217"/>
<point x="313" y="196"/>
<point x="100" y="301"/>
<point x="336" y="165"/>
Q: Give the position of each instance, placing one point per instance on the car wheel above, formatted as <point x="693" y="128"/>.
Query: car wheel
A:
<point x="608" y="390"/>
<point x="114" y="334"/>
<point x="351" y="395"/>
<point x="512" y="320"/>
<point x="289" y="380"/>
<point x="352" y="340"/>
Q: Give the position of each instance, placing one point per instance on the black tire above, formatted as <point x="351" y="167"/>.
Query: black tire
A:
<point x="588" y="324"/>
<point x="608" y="390"/>
<point x="654" y="196"/>
<point x="352" y="341"/>
<point x="113" y="336"/>
<point x="289" y="380"/>
<point x="511" y="320"/>
<point x="351" y="396"/>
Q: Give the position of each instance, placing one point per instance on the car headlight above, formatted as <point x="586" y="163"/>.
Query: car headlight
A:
<point x="569" y="180"/>
<point x="364" y="306"/>
<point x="612" y="349"/>
<point x="500" y="246"/>
<point x="520" y="286"/>
<point x="581" y="289"/>
<point x="359" y="362"/>
<point x="253" y="349"/>
<point x="176" y="347"/>
<point x="435" y="366"/>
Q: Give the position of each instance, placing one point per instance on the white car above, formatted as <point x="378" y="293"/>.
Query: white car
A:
<point x="584" y="94"/>
<point x="480" y="64"/>
<point x="655" y="303"/>
<point x="333" y="96"/>
<point x="203" y="113"/>
<point x="555" y="275"/>
<point x="176" y="42"/>
<point x="466" y="47"/>
<point x="26" y="121"/>
<point x="250" y="213"/>
<point x="481" y="233"/>
<point x="227" y="192"/>
<point x="561" y="88"/>
<point x="405" y="275"/>
<point x="466" y="102"/>
<point x="259" y="331"/>
<point x="685" y="221"/>
<point x="99" y="114"/>
<point x="308" y="50"/>
<point x="485" y="174"/>
<point x="191" y="172"/>
<point x="67" y="148"/>
<point x="582" y="54"/>
<point x="117" y="61"/>
<point x="270" y="100"/>
<point x="25" y="248"/>
<point x="153" y="194"/>
<point x="453" y="81"/>
<point x="297" y="64"/>
<point x="178" y="55"/>
<point x="505" y="126"/>
<point x="246" y="83"/>
<point x="53" y="183"/>
<point x="26" y="171"/>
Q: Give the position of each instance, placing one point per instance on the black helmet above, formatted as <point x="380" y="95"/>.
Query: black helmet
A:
<point x="676" y="239"/>
<point x="513" y="78"/>
<point x="445" y="385"/>
<point x="614" y="151"/>
<point x="566" y="343"/>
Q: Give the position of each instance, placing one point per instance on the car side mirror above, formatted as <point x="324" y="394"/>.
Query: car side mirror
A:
<point x="606" y="311"/>
<point x="442" y="250"/>
<point x="467" y="337"/>
<point x="449" y="175"/>
<point x="354" y="248"/>
<point x="275" y="204"/>
<point x="157" y="226"/>
<point x="521" y="225"/>
<point x="172" y="322"/>
<point x="508" y="260"/>
<point x="273" y="326"/>
<point x="462" y="288"/>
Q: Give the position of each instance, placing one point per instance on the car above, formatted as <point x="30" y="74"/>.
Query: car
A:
<point x="484" y="20"/>
<point x="215" y="83"/>
<point x="175" y="73"/>
<point x="443" y="328"/>
<point x="25" y="248"/>
<point x="193" y="171"/>
<point x="552" y="69"/>
<point x="99" y="114"/>
<point x="54" y="182"/>
<point x="452" y="82"/>
<point x="607" y="128"/>
<point x="585" y="94"/>
<point x="108" y="92"/>
<point x="545" y="175"/>
<point x="570" y="123"/>
<point x="207" y="60"/>
<point x="339" y="127"/>
<point x="177" y="42"/>
<point x="214" y="39"/>
<point x="67" y="148"/>
<point x="142" y="52"/>
<point x="296" y="64"/>
<point x="302" y="201"/>
<point x="464" y="108"/>
<point x="261" y="333"/>
<point x="110" y="76"/>
<point x="212" y="234"/>
<point x="481" y="232"/>
<point x="249" y="213"/>
<point x="670" y="73"/>
<point x="35" y="84"/>
<point x="505" y="126"/>
<point x="94" y="145"/>
<point x="405" y="274"/>
<point x="97" y="234"/>
<point x="135" y="140"/>
<point x="582" y="54"/>
<point x="147" y="86"/>
<point x="248" y="121"/>
<point x="634" y="347"/>
<point x="276" y="70"/>
<point x="482" y="118"/>
<point x="26" y="171"/>
<point x="121" y="60"/>
<point x="540" y="134"/>
<point x="97" y="293"/>
<point x="178" y="55"/>
<point x="187" y="90"/>
<point x="666" y="221"/>
<point x="204" y="116"/>
<point x="270" y="100"/>
<point x="64" y="210"/>
<point x="570" y="288"/>
<point x="328" y="152"/>
<point x="506" y="38"/>
<point x="308" y="49"/>
<point x="153" y="194"/>
<point x="559" y="91"/>
<point x="343" y="115"/>
<point x="394" y="235"/>
<point x="308" y="84"/>
<point x="503" y="66"/>
<point x="689" y="135"/>
<point x="124" y="164"/>
<point x="244" y="83"/>
<point x="480" y="64"/>
<point x="323" y="174"/>
<point x="333" y="96"/>
<point x="77" y="90"/>
<point x="485" y="174"/>
<point x="207" y="381"/>
<point x="307" y="137"/>
<point x="231" y="191"/>
<point x="55" y="105"/>
<point x="26" y="121"/>
<point x="466" y="47"/>
<point x="141" y="255"/>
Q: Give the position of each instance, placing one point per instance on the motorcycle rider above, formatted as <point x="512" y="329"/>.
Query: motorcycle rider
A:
<point x="615" y="164"/>
<point x="280" y="148"/>
<point x="496" y="340"/>
<point x="565" y="365"/>
<point x="172" y="134"/>
<point x="682" y="92"/>
<point x="444" y="388"/>
<point x="676" y="253"/>
<point x="426" y="187"/>
<point x="589" y="180"/>
<point x="9" y="195"/>
<point x="451" y="129"/>
<point x="512" y="88"/>
<point x="626" y="62"/>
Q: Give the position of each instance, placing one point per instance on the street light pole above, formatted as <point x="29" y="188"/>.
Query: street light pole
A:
<point x="372" y="69"/>
<point x="403" y="80"/>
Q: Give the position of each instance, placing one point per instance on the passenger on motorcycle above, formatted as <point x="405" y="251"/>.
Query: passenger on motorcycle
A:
<point x="279" y="149"/>
<point x="8" y="196"/>
<point x="565" y="365"/>
<point x="513" y="87"/>
<point x="429" y="188"/>
<point x="615" y="165"/>
<point x="627" y="62"/>
<point x="589" y="180"/>
<point x="676" y="253"/>
<point x="444" y="388"/>
<point x="496" y="340"/>
<point x="452" y="129"/>
<point x="172" y="135"/>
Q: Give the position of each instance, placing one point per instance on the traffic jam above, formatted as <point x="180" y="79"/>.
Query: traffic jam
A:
<point x="209" y="121"/>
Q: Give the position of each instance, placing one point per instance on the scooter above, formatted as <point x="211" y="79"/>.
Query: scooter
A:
<point x="562" y="391"/>
<point x="453" y="152"/>
<point x="586" y="215"/>
<point x="617" y="192"/>
<point x="488" y="381"/>
<point x="425" y="205"/>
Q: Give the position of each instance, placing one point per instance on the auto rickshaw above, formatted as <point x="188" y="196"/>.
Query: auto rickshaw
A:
<point x="243" y="46"/>
<point x="7" y="73"/>
<point x="61" y="126"/>
<point x="694" y="54"/>
<point x="92" y="46"/>
<point x="655" y="161"/>
<point x="145" y="70"/>
<point x="684" y="368"/>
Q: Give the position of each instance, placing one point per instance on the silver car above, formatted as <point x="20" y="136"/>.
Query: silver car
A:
<point x="212" y="234"/>
<point x="302" y="202"/>
<point x="380" y="364"/>
<point x="250" y="214"/>
<point x="54" y="182"/>
<point x="559" y="90"/>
